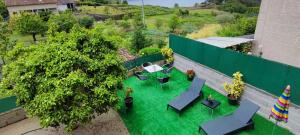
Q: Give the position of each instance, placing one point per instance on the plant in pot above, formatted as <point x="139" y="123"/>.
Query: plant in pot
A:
<point x="235" y="89"/>
<point x="168" y="54"/>
<point x="190" y="74"/>
<point x="128" y="99"/>
<point x="210" y="99"/>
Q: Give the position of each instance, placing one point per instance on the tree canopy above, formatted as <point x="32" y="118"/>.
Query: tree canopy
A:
<point x="27" y="23"/>
<point x="66" y="79"/>
<point x="3" y="9"/>
<point x="63" y="22"/>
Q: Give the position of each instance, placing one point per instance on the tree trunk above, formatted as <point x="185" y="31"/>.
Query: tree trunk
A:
<point x="34" y="37"/>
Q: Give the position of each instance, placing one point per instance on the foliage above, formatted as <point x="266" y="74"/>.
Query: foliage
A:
<point x="174" y="23"/>
<point x="3" y="9"/>
<point x="225" y="18"/>
<point x="27" y="23"/>
<point x="64" y="22"/>
<point x="176" y="5"/>
<point x="125" y="2"/>
<point x="218" y="2"/>
<point x="236" y="88"/>
<point x="5" y="43"/>
<point x="168" y="54"/>
<point x="182" y="12"/>
<point x="207" y="31"/>
<point x="67" y="79"/>
<point x="233" y="6"/>
<point x="243" y="26"/>
<point x="86" y="21"/>
<point x="243" y="48"/>
<point x="45" y="15"/>
<point x="137" y="21"/>
<point x="148" y="51"/>
<point x="158" y="23"/>
<point x="188" y="28"/>
<point x="138" y="40"/>
<point x="128" y="92"/>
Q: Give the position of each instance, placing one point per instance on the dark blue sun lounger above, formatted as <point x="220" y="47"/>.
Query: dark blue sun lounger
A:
<point x="230" y="124"/>
<point x="186" y="98"/>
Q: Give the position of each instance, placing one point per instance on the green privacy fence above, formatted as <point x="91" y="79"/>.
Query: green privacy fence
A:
<point x="140" y="60"/>
<point x="7" y="104"/>
<point x="264" y="74"/>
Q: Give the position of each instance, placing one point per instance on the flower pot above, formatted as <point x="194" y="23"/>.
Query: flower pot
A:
<point x="128" y="102"/>
<point x="232" y="100"/>
<point x="190" y="78"/>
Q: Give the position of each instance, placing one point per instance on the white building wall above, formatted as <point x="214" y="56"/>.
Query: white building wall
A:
<point x="30" y="7"/>
<point x="277" y="33"/>
<point x="62" y="7"/>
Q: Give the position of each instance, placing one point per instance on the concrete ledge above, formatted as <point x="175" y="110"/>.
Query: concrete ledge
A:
<point x="12" y="116"/>
<point x="215" y="80"/>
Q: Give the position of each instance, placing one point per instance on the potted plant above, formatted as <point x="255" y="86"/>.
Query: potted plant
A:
<point x="128" y="99"/>
<point x="168" y="54"/>
<point x="210" y="99"/>
<point x="235" y="89"/>
<point x="190" y="74"/>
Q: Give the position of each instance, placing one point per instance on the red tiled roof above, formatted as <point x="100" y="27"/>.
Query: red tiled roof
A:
<point x="10" y="3"/>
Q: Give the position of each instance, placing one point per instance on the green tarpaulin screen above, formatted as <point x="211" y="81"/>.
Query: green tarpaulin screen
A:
<point x="140" y="60"/>
<point x="7" y="104"/>
<point x="264" y="74"/>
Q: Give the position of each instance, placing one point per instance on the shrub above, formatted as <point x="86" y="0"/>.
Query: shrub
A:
<point x="236" y="88"/>
<point x="168" y="54"/>
<point x="233" y="7"/>
<point x="86" y="21"/>
<point x="188" y="28"/>
<point x="225" y="18"/>
<point x="148" y="51"/>
<point x="241" y="27"/>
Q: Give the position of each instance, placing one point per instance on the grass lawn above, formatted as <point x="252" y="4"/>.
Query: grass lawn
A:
<point x="149" y="115"/>
<point x="100" y="10"/>
<point x="196" y="18"/>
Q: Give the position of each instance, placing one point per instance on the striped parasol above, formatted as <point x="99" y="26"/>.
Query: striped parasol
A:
<point x="280" y="110"/>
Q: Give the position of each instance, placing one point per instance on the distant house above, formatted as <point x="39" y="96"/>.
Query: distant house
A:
<point x="17" y="6"/>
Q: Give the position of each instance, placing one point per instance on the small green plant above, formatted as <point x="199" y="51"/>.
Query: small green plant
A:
<point x="128" y="92"/>
<point x="235" y="89"/>
<point x="168" y="54"/>
<point x="149" y="51"/>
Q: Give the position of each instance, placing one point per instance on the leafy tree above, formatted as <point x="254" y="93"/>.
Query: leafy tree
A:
<point x="32" y="24"/>
<point x="45" y="15"/>
<point x="67" y="79"/>
<point x="137" y="21"/>
<point x="125" y="2"/>
<point x="86" y="21"/>
<point x="174" y="23"/>
<point x="3" y="9"/>
<point x="65" y="21"/>
<point x="5" y="43"/>
<point x="138" y="40"/>
<point x="233" y="6"/>
<point x="176" y="5"/>
<point x="218" y="2"/>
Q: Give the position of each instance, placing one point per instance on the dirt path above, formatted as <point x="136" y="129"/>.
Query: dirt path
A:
<point x="106" y="124"/>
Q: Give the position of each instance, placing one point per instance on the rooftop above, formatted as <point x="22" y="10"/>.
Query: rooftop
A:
<point x="224" y="42"/>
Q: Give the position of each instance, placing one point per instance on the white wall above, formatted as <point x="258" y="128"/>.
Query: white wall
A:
<point x="30" y="7"/>
<point x="278" y="31"/>
<point x="62" y="7"/>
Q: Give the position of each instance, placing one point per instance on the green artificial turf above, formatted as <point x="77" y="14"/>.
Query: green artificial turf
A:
<point x="149" y="115"/>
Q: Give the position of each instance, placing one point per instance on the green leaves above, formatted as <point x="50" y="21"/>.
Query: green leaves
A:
<point x="66" y="79"/>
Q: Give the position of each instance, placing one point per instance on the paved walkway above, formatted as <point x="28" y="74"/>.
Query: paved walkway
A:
<point x="106" y="124"/>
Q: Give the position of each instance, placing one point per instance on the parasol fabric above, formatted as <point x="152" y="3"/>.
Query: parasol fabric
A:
<point x="280" y="109"/>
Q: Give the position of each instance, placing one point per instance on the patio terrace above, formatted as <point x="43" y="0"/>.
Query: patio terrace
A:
<point x="149" y="115"/>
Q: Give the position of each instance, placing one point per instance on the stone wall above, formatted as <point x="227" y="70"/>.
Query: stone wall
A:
<point x="12" y="116"/>
<point x="215" y="80"/>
